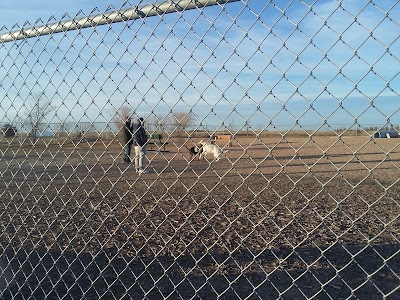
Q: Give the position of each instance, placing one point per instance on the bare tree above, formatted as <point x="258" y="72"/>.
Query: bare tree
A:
<point x="156" y="123"/>
<point x="121" y="115"/>
<point x="181" y="121"/>
<point x="62" y="128"/>
<point x="119" y="118"/>
<point x="36" y="112"/>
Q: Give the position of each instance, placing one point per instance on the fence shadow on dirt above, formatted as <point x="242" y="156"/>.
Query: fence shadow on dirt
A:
<point x="339" y="271"/>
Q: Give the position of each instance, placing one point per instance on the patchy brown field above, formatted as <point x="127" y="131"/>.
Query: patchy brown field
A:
<point x="291" y="217"/>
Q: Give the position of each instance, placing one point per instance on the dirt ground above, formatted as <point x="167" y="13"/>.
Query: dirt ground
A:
<point x="290" y="218"/>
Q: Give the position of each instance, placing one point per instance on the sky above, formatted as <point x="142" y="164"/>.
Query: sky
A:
<point x="52" y="11"/>
<point x="259" y="63"/>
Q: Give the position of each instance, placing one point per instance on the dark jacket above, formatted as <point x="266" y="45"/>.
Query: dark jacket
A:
<point x="128" y="132"/>
<point x="139" y="135"/>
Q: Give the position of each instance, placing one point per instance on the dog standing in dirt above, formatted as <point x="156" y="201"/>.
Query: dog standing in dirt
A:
<point x="210" y="148"/>
<point x="194" y="151"/>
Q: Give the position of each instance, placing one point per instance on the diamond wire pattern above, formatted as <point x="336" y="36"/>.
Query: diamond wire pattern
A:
<point x="280" y="215"/>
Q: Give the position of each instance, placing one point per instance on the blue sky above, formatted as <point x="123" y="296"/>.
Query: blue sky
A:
<point x="253" y="62"/>
<point x="45" y="10"/>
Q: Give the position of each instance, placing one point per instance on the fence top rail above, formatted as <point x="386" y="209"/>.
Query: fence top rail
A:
<point x="116" y="16"/>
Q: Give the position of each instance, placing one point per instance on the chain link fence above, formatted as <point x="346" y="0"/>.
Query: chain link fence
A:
<point x="252" y="190"/>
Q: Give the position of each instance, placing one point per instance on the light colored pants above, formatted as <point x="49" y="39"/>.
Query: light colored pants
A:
<point x="140" y="154"/>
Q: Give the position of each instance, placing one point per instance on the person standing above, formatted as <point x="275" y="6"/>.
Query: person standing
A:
<point x="128" y="140"/>
<point x="139" y="141"/>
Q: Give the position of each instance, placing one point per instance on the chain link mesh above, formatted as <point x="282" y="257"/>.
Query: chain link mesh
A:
<point x="300" y="100"/>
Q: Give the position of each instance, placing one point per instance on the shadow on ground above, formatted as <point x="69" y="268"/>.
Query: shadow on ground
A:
<point x="340" y="271"/>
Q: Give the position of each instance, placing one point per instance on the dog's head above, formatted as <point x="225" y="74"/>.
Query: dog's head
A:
<point x="211" y="142"/>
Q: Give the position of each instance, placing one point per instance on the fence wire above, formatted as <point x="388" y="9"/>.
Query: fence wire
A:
<point x="249" y="189"/>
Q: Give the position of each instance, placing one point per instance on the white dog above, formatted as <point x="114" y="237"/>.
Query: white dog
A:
<point x="211" y="148"/>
